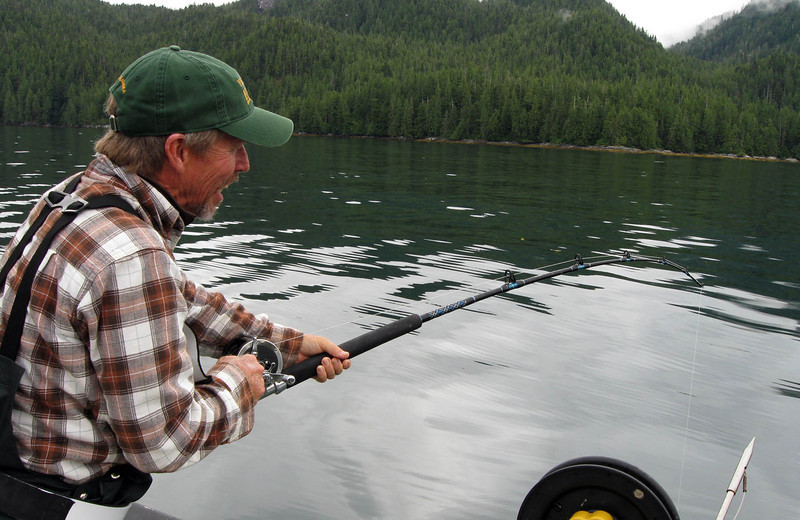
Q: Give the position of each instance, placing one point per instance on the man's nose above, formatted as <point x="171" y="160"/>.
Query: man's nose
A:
<point x="242" y="160"/>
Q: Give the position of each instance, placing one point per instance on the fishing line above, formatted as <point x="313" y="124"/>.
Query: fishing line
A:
<point x="430" y="300"/>
<point x="578" y="263"/>
<point x="741" y="502"/>
<point x="305" y="369"/>
<point x="691" y="394"/>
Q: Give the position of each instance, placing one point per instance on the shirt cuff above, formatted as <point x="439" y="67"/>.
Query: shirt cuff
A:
<point x="237" y="398"/>
<point x="287" y="339"/>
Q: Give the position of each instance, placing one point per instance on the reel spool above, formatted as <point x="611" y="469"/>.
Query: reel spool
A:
<point x="270" y="358"/>
<point x="597" y="488"/>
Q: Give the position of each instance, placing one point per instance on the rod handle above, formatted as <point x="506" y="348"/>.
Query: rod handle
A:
<point x="308" y="368"/>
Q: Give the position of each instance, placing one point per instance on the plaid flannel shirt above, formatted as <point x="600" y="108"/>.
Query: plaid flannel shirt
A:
<point x="108" y="378"/>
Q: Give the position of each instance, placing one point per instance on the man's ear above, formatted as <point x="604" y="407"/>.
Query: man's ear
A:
<point x="175" y="148"/>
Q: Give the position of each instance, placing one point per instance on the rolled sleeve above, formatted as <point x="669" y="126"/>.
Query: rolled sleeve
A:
<point x="217" y="322"/>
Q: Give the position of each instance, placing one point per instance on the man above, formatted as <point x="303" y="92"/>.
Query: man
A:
<point x="106" y="393"/>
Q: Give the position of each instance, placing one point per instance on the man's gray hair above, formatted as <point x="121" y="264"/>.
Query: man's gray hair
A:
<point x="144" y="156"/>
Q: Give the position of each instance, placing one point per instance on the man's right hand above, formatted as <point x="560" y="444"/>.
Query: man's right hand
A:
<point x="252" y="369"/>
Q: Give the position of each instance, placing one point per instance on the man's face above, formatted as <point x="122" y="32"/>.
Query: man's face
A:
<point x="210" y="173"/>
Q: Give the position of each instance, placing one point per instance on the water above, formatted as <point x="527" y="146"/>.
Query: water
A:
<point x="461" y="418"/>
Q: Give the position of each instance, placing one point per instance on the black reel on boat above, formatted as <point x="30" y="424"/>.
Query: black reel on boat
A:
<point x="597" y="488"/>
<point x="270" y="358"/>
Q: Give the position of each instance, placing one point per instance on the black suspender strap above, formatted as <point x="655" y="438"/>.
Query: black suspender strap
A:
<point x="54" y="198"/>
<point x="19" y="498"/>
<point x="70" y="206"/>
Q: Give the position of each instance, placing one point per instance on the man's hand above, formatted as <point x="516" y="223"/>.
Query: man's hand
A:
<point x="330" y="367"/>
<point x="252" y="369"/>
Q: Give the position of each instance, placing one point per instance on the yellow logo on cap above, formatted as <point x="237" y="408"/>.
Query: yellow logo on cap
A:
<point x="122" y="82"/>
<point x="244" y="90"/>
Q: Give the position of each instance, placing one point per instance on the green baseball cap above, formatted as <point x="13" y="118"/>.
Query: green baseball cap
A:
<point x="171" y="90"/>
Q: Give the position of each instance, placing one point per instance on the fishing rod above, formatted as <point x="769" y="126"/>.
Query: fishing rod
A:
<point x="739" y="477"/>
<point x="278" y="380"/>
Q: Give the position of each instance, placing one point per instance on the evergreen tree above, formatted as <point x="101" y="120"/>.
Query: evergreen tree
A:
<point x="567" y="71"/>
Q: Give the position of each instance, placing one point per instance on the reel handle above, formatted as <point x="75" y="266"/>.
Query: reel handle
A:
<point x="269" y="356"/>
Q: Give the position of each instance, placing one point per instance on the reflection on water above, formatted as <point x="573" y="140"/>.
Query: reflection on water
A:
<point x="788" y="388"/>
<point x="462" y="417"/>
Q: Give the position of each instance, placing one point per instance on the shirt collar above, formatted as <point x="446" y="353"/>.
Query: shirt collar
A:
<point x="187" y="217"/>
<point x="159" y="207"/>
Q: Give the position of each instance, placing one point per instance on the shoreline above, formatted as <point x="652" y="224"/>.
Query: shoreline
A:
<point x="615" y="149"/>
<point x="625" y="149"/>
<point x="556" y="146"/>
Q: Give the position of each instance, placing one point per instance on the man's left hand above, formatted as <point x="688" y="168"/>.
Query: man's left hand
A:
<point x="330" y="367"/>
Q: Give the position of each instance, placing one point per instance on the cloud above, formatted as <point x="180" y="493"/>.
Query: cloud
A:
<point x="771" y="5"/>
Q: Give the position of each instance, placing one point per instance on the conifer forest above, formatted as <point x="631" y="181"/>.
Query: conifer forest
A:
<point x="572" y="72"/>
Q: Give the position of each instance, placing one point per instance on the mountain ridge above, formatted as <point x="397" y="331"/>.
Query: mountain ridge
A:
<point x="759" y="30"/>
<point x="572" y="72"/>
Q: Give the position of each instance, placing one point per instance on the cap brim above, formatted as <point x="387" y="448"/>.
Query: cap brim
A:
<point x="262" y="128"/>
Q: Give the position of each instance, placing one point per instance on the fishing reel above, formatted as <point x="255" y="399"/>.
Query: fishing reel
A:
<point x="269" y="356"/>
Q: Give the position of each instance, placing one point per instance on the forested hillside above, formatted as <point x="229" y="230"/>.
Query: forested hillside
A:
<point x="558" y="71"/>
<point x="758" y="31"/>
